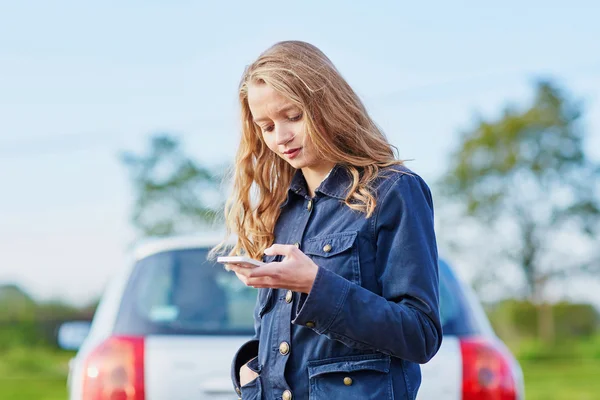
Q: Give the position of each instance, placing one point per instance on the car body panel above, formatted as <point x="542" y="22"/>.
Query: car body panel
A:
<point x="198" y="366"/>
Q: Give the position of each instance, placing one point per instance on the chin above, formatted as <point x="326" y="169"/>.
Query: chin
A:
<point x="296" y="163"/>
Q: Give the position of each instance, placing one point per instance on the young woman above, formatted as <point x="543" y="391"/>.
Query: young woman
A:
<point x="348" y="302"/>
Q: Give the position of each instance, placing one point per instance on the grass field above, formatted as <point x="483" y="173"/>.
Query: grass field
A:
<point x="40" y="374"/>
<point x="562" y="380"/>
<point x="33" y="374"/>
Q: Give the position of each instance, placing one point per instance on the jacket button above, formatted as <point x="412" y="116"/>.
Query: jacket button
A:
<point x="287" y="395"/>
<point x="284" y="348"/>
<point x="327" y="248"/>
<point x="289" y="296"/>
<point x="347" y="381"/>
<point x="310" y="324"/>
<point x="309" y="205"/>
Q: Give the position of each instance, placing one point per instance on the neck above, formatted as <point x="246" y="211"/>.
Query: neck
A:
<point x="315" y="175"/>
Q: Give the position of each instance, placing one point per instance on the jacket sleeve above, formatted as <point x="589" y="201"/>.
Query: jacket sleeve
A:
<point x="403" y="321"/>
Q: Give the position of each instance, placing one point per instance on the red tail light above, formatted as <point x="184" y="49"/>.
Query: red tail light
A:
<point x="486" y="371"/>
<point x="115" y="370"/>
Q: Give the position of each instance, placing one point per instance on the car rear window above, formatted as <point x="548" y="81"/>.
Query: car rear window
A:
<point x="181" y="292"/>
<point x="456" y="312"/>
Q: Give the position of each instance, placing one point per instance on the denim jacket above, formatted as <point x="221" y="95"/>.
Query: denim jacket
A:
<point x="372" y="315"/>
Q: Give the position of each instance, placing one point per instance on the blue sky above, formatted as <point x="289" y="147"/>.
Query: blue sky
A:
<point x="82" y="81"/>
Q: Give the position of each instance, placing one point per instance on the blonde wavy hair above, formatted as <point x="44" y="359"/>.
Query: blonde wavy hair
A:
<point x="337" y="123"/>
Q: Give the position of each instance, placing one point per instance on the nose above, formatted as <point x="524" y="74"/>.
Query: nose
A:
<point x="283" y="135"/>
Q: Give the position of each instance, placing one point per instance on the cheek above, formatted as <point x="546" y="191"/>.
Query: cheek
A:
<point x="307" y="143"/>
<point x="299" y="132"/>
<point x="269" y="141"/>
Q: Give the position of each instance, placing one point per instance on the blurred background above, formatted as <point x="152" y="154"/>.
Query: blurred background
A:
<point x="118" y="120"/>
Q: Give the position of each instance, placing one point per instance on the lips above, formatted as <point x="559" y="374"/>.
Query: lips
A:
<point x="292" y="153"/>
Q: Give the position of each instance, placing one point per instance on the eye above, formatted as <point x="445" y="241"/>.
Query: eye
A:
<point x="296" y="118"/>
<point x="268" y="128"/>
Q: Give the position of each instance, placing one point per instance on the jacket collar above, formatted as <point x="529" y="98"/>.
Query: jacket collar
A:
<point x="336" y="185"/>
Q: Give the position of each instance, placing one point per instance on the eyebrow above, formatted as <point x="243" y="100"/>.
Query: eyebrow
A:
<point x="278" y="112"/>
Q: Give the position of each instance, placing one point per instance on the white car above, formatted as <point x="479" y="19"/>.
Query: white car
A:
<point x="168" y="326"/>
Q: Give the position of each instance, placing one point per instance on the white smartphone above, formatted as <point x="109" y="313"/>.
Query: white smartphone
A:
<point x="240" y="260"/>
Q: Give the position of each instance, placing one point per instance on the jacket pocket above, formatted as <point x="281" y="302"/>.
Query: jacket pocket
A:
<point x="337" y="252"/>
<point x="252" y="390"/>
<point x="356" y="377"/>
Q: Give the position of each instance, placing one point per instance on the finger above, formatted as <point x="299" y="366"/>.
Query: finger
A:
<point x="272" y="270"/>
<point x="280" y="250"/>
<point x="240" y="270"/>
<point x="261" y="282"/>
<point x="242" y="278"/>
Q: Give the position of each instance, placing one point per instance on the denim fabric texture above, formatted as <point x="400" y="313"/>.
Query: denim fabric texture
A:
<point x="372" y="315"/>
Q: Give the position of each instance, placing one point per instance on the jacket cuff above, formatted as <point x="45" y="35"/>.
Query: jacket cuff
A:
<point x="318" y="310"/>
<point x="247" y="352"/>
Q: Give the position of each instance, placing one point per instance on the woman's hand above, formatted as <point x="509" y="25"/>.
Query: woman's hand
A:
<point x="296" y="272"/>
<point x="247" y="375"/>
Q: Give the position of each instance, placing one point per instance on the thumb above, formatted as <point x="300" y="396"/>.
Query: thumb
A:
<point x="280" y="250"/>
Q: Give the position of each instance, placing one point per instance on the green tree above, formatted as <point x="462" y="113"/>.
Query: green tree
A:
<point x="174" y="193"/>
<point x="526" y="180"/>
<point x="16" y="304"/>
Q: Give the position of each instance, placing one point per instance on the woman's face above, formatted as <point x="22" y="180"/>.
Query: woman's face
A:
<point x="283" y="126"/>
